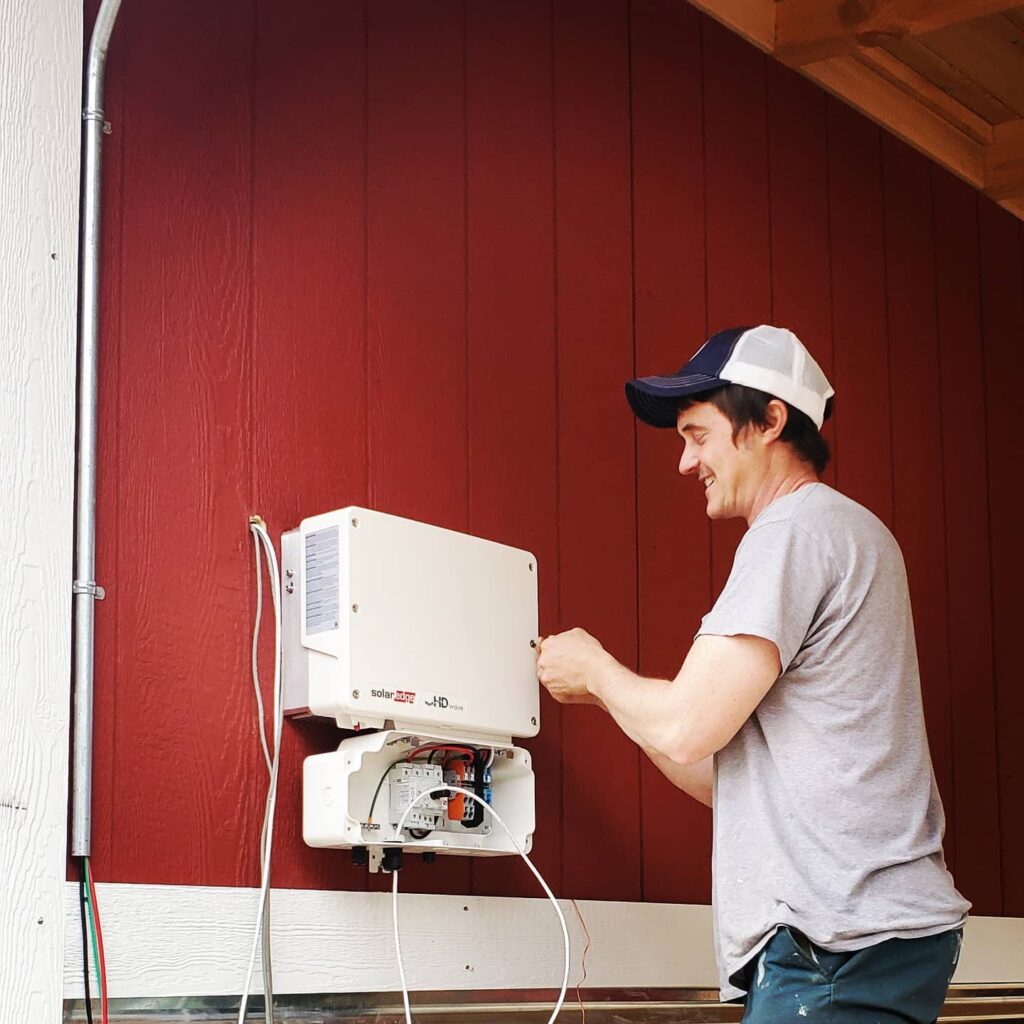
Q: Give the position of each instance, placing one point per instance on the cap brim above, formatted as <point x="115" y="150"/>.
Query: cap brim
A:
<point x="655" y="400"/>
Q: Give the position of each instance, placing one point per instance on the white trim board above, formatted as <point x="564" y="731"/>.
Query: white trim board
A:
<point x="41" y="111"/>
<point x="166" y="941"/>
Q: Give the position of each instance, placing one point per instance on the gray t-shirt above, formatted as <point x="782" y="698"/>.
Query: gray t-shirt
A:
<point x="827" y="816"/>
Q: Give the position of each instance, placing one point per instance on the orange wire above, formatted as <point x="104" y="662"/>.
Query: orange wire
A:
<point x="99" y="945"/>
<point x="586" y="948"/>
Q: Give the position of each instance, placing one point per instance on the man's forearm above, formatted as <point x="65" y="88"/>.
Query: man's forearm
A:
<point x="641" y="707"/>
<point x="696" y="780"/>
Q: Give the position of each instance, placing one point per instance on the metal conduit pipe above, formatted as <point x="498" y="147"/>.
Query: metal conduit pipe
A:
<point x="84" y="588"/>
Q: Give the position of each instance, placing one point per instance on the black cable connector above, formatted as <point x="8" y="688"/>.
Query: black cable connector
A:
<point x="479" y="760"/>
<point x="392" y="859"/>
<point x="360" y="856"/>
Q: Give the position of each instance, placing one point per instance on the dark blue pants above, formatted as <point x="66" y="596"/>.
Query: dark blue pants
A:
<point x="899" y="981"/>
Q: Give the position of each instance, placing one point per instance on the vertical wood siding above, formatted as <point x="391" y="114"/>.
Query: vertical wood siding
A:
<point x="972" y="698"/>
<point x="308" y="316"/>
<point x="597" y="521"/>
<point x="403" y="255"/>
<point x="673" y="533"/>
<point x="510" y="325"/>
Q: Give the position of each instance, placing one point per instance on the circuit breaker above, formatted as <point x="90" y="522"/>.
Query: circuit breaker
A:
<point x="422" y="641"/>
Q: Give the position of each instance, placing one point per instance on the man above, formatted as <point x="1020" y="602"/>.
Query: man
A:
<point x="797" y="712"/>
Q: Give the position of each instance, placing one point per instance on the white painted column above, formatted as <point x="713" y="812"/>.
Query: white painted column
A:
<point x="40" y="128"/>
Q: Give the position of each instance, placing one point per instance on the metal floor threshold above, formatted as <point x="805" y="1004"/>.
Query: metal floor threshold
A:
<point x="991" y="1003"/>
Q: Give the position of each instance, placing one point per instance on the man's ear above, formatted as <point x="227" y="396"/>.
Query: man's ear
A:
<point x="776" y="418"/>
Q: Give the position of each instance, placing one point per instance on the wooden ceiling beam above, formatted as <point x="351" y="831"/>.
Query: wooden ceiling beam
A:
<point x="807" y="31"/>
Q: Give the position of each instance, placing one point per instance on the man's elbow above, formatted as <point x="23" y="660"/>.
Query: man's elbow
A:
<point x="685" y="747"/>
<point x="687" y="757"/>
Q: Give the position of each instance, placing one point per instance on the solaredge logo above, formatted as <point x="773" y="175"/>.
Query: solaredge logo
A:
<point x="399" y="696"/>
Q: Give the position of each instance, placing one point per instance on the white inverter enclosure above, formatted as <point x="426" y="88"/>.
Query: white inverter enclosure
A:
<point x="388" y="620"/>
<point x="345" y="805"/>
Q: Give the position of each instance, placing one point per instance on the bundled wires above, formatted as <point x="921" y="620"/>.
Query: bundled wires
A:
<point x="465" y="793"/>
<point x="92" y="930"/>
<point x="272" y="759"/>
<point x="454" y="751"/>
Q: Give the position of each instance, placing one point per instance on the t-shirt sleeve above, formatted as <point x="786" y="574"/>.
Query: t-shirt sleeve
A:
<point x="779" y="578"/>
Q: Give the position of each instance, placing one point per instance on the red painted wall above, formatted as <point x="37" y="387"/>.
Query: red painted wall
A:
<point x="405" y="255"/>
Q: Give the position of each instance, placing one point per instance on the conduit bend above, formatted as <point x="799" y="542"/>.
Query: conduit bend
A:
<point x="84" y="588"/>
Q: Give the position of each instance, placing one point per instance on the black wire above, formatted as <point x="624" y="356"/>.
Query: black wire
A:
<point x="85" y="943"/>
<point x="376" y="792"/>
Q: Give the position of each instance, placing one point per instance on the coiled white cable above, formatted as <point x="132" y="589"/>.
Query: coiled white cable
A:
<point x="536" y="874"/>
<point x="267" y="838"/>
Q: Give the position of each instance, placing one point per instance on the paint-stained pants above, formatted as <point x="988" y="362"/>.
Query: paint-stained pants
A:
<point x="900" y="981"/>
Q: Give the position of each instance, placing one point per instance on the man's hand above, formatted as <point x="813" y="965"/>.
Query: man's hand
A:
<point x="568" y="664"/>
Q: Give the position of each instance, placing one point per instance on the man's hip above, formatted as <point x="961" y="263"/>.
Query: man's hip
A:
<point x="899" y="981"/>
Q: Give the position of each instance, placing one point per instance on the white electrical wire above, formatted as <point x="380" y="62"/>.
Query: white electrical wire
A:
<point x="529" y="863"/>
<point x="255" y="646"/>
<point x="267" y="838"/>
<point x="265" y="950"/>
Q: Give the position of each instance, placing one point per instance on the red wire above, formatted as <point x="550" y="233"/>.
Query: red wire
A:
<point x="437" y="746"/>
<point x="586" y="949"/>
<point x="99" y="943"/>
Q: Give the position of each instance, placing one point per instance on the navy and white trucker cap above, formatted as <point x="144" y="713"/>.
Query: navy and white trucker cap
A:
<point x="770" y="359"/>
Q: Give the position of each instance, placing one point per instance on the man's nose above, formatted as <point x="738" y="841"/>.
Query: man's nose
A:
<point x="687" y="464"/>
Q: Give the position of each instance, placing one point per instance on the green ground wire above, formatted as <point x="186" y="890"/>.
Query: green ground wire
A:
<point x="92" y="928"/>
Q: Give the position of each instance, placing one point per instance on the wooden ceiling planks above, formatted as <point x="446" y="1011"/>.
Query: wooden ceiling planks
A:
<point x="926" y="91"/>
<point x="946" y="76"/>
<point x="990" y="52"/>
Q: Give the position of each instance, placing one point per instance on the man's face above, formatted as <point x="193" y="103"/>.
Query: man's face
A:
<point x="729" y="471"/>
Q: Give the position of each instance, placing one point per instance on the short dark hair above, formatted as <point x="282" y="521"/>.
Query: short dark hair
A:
<point x="746" y="407"/>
